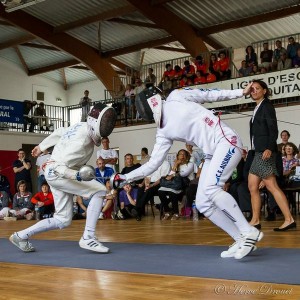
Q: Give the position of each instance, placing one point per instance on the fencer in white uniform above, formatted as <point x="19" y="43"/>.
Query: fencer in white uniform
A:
<point x="181" y="118"/>
<point x="65" y="173"/>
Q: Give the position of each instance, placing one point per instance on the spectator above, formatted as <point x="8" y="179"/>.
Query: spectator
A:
<point x="28" y="105"/>
<point x="245" y="70"/>
<point x="266" y="57"/>
<point x="185" y="168"/>
<point x="199" y="79"/>
<point x="188" y="70"/>
<point x="178" y="72"/>
<point x="22" y="205"/>
<point x="214" y="67"/>
<point x="255" y="70"/>
<point x="284" y="63"/>
<point x="103" y="172"/>
<point x="144" y="155"/>
<point x="129" y="165"/>
<point x="292" y="48"/>
<point x="166" y="81"/>
<point x="44" y="201"/>
<point x="128" y="198"/>
<point x="197" y="156"/>
<point x="150" y="79"/>
<point x="134" y="77"/>
<point x="224" y="64"/>
<point x="4" y="183"/>
<point x="119" y="94"/>
<point x="185" y="81"/>
<point x="211" y="77"/>
<point x="296" y="60"/>
<point x="86" y="103"/>
<point x="110" y="156"/>
<point x="150" y="188"/>
<point x="129" y="100"/>
<point x="41" y="117"/>
<point x="4" y="202"/>
<point x="289" y="160"/>
<point x="251" y="56"/>
<point x="139" y="87"/>
<point x="276" y="53"/>
<point x="200" y="65"/>
<point x="21" y="168"/>
<point x="285" y="136"/>
<point x="83" y="203"/>
<point x="41" y="160"/>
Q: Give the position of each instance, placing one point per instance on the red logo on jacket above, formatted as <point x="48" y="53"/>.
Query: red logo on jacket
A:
<point x="208" y="121"/>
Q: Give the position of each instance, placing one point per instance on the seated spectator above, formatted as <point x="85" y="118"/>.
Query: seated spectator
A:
<point x="254" y="71"/>
<point x="266" y="57"/>
<point x="285" y="135"/>
<point x="214" y="67"/>
<point x="188" y="70"/>
<point x="289" y="160"/>
<point x="22" y="205"/>
<point x="44" y="201"/>
<point x="224" y="63"/>
<point x="130" y="166"/>
<point x="41" y="117"/>
<point x="128" y="198"/>
<point x="200" y="65"/>
<point x="244" y="70"/>
<point x="197" y="156"/>
<point x="211" y="77"/>
<point x="102" y="172"/>
<point x="41" y="160"/>
<point x="28" y="105"/>
<point x="108" y="202"/>
<point x="178" y="72"/>
<point x="83" y="204"/>
<point x="284" y="63"/>
<point x="251" y="56"/>
<point x="4" y="183"/>
<point x="166" y="81"/>
<point x="183" y="167"/>
<point x="150" y="187"/>
<point x="150" y="79"/>
<point x="185" y="81"/>
<point x="4" y="204"/>
<point x="144" y="155"/>
<point x="276" y="54"/>
<point x="292" y="48"/>
<point x="296" y="60"/>
<point x="199" y="79"/>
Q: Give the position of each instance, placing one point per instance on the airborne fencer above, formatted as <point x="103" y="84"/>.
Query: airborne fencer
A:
<point x="67" y="175"/>
<point x="181" y="118"/>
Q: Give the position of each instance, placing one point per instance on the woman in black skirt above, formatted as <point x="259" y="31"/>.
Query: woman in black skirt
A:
<point x="263" y="135"/>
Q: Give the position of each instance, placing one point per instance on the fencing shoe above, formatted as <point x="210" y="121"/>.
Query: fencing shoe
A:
<point x="22" y="244"/>
<point x="247" y="243"/>
<point x="232" y="250"/>
<point x="93" y="244"/>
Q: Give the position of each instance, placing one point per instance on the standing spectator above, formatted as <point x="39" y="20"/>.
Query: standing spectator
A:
<point x="139" y="87"/>
<point x="86" y="103"/>
<point x="285" y="136"/>
<point x="41" y="160"/>
<point x="22" y="167"/>
<point x="284" y="63"/>
<point x="263" y="135"/>
<point x="150" y="79"/>
<point x="266" y="57"/>
<point x="251" y="56"/>
<point x="144" y="155"/>
<point x="103" y="172"/>
<point x="296" y="60"/>
<point x="22" y="206"/>
<point x="28" y="105"/>
<point x="276" y="53"/>
<point x="41" y="117"/>
<point x="244" y="70"/>
<point x="44" y="201"/>
<point x="4" y="202"/>
<point x="4" y="183"/>
<point x="292" y="48"/>
<point x="129" y="100"/>
<point x="135" y="75"/>
<point x="109" y="156"/>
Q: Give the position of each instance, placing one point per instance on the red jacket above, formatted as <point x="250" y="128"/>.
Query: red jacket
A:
<point x="41" y="197"/>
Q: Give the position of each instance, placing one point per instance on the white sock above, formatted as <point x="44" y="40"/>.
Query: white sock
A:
<point x="93" y="212"/>
<point x="226" y="203"/>
<point x="41" y="226"/>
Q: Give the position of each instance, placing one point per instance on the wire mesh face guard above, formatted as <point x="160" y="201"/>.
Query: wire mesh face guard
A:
<point x="102" y="120"/>
<point x="149" y="104"/>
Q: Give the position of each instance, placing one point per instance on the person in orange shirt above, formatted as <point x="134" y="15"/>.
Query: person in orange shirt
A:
<point x="44" y="200"/>
<point x="188" y="70"/>
<point x="200" y="65"/>
<point x="199" y="79"/>
<point x="178" y="72"/>
<point x="185" y="81"/>
<point x="224" y="63"/>
<point x="214" y="66"/>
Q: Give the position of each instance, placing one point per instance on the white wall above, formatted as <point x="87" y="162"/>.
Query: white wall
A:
<point x="16" y="85"/>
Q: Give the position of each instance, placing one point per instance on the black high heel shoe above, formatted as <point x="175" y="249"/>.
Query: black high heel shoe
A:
<point x="293" y="225"/>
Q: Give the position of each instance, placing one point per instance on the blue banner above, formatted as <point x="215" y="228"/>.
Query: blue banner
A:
<point x="11" y="111"/>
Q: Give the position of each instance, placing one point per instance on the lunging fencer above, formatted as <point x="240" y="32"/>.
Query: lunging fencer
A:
<point x="181" y="118"/>
<point x="67" y="175"/>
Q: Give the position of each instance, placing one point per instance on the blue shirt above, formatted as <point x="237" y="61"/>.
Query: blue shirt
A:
<point x="107" y="173"/>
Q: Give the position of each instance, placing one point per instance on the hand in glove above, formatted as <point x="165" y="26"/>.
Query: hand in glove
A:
<point x="117" y="180"/>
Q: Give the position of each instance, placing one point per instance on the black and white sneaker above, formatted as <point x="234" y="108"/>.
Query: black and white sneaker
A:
<point x="93" y="244"/>
<point x="247" y="243"/>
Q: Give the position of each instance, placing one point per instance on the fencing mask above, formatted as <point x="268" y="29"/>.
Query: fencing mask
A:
<point x="101" y="121"/>
<point x="149" y="104"/>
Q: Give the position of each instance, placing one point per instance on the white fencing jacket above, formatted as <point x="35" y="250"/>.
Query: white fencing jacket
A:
<point x="184" y="119"/>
